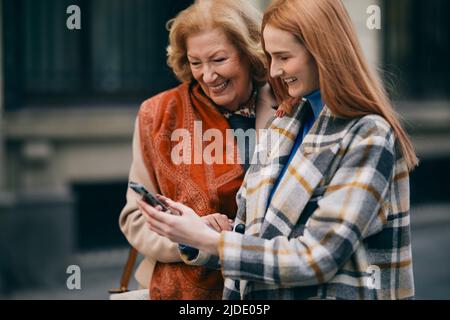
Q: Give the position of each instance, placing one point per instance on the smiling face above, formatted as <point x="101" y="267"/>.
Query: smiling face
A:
<point x="217" y="66"/>
<point x="291" y="62"/>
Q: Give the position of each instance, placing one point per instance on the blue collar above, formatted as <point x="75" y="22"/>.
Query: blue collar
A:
<point x="315" y="99"/>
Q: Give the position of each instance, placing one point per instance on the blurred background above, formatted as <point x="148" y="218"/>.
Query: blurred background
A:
<point x="69" y="98"/>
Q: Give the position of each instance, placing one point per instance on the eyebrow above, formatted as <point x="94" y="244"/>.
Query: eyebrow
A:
<point x="279" y="52"/>
<point x="214" y="54"/>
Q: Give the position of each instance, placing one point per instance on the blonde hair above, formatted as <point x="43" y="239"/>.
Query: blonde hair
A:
<point x="239" y="20"/>
<point x="348" y="86"/>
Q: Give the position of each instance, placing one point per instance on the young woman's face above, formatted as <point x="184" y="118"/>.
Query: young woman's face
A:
<point x="215" y="63"/>
<point x="291" y="62"/>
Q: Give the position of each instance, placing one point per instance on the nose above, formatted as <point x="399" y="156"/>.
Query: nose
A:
<point x="209" y="74"/>
<point x="275" y="70"/>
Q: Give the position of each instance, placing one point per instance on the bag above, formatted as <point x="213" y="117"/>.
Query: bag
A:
<point x="122" y="293"/>
<point x="131" y="295"/>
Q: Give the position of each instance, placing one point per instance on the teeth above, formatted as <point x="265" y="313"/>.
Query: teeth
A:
<point x="290" y="80"/>
<point x="220" y="86"/>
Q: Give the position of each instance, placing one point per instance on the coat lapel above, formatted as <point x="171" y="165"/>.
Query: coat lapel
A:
<point x="304" y="174"/>
<point x="271" y="153"/>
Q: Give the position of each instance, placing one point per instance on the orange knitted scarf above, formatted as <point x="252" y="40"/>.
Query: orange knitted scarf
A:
<point x="205" y="188"/>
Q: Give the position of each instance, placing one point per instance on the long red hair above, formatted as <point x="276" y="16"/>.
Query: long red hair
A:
<point x="348" y="86"/>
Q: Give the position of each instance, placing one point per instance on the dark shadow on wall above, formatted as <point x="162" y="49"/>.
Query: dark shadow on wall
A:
<point x="97" y="210"/>
<point x="430" y="182"/>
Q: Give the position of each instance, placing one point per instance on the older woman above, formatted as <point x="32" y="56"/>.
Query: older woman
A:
<point x="328" y="216"/>
<point x="215" y="51"/>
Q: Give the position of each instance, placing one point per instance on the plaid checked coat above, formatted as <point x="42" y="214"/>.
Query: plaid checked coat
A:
<point x="338" y="225"/>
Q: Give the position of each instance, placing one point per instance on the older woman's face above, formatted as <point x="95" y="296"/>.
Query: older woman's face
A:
<point x="217" y="66"/>
<point x="291" y="62"/>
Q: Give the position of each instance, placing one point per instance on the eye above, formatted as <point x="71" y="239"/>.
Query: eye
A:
<point x="194" y="63"/>
<point x="284" y="58"/>
<point x="218" y="60"/>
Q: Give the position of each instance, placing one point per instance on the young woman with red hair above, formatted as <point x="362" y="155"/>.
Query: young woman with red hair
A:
<point x="328" y="216"/>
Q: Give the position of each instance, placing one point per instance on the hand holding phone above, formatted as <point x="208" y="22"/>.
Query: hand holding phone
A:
<point x="148" y="197"/>
<point x="153" y="201"/>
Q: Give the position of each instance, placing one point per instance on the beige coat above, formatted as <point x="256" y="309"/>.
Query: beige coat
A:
<point x="133" y="223"/>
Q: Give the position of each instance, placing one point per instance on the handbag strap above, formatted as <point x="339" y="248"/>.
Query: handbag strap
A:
<point x="126" y="274"/>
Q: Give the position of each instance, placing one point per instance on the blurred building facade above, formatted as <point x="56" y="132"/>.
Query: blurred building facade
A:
<point x="69" y="98"/>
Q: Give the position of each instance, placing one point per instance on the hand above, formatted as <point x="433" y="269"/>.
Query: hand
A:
<point x="280" y="113"/>
<point x="218" y="222"/>
<point x="187" y="228"/>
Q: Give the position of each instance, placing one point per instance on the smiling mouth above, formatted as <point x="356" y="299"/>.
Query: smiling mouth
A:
<point x="290" y="81"/>
<point x="219" y="88"/>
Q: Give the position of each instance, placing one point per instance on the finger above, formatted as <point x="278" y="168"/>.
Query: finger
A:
<point x="206" y="221"/>
<point x="178" y="206"/>
<point x="154" y="213"/>
<point x="228" y="222"/>
<point x="165" y="202"/>
<point x="153" y="226"/>
<point x="160" y="227"/>
<point x="161" y="198"/>
<point x="146" y="206"/>
<point x="280" y="113"/>
<point x="223" y="222"/>
<point x="214" y="223"/>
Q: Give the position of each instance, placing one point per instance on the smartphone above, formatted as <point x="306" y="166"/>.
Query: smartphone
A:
<point x="148" y="197"/>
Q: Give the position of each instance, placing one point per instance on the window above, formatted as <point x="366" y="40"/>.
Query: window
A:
<point x="417" y="47"/>
<point x="117" y="56"/>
